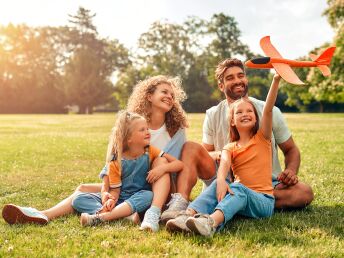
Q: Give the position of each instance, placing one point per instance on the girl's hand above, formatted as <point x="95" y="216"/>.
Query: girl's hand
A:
<point x="277" y="77"/>
<point x="222" y="187"/>
<point x="109" y="205"/>
<point x="154" y="175"/>
<point x="106" y="196"/>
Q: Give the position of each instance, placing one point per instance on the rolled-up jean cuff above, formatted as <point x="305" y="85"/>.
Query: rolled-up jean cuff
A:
<point x="87" y="202"/>
<point x="131" y="206"/>
<point x="222" y="225"/>
<point x="140" y="201"/>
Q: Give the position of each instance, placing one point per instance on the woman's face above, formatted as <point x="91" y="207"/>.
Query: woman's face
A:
<point x="162" y="98"/>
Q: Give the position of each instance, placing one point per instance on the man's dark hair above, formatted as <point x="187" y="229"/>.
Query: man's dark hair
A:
<point x="224" y="65"/>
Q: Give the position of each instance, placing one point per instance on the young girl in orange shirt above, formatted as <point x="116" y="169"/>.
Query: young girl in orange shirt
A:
<point x="249" y="156"/>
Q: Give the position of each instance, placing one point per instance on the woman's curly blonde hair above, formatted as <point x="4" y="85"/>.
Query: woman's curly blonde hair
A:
<point x="138" y="101"/>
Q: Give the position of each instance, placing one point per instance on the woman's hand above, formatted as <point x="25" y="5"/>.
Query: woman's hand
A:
<point x="222" y="187"/>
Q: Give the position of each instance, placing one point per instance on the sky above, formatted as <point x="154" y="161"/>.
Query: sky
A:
<point x="295" y="26"/>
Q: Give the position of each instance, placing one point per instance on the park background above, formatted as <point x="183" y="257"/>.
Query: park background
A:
<point x="72" y="67"/>
<point x="75" y="67"/>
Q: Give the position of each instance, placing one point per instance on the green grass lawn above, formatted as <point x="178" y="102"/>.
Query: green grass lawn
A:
<point x="44" y="157"/>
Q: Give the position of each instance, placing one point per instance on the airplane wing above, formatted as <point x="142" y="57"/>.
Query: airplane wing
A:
<point x="282" y="69"/>
<point x="268" y="48"/>
<point x="287" y="73"/>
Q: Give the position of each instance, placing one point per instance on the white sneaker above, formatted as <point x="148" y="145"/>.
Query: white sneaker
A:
<point x="179" y="223"/>
<point x="89" y="220"/>
<point x="176" y="204"/>
<point x="151" y="220"/>
<point x="14" y="214"/>
<point x="201" y="224"/>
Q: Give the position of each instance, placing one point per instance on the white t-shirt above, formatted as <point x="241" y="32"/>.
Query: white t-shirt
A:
<point x="160" y="137"/>
<point x="216" y="129"/>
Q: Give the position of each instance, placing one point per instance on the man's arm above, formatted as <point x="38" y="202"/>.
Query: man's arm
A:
<point x="292" y="161"/>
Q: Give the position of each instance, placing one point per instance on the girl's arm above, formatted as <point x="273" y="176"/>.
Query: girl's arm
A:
<point x="222" y="187"/>
<point x="109" y="196"/>
<point x="108" y="193"/>
<point x="266" y="125"/>
<point x="174" y="165"/>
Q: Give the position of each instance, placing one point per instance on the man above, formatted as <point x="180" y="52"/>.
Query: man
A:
<point x="199" y="159"/>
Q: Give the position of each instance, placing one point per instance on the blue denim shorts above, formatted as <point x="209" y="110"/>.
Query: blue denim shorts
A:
<point x="91" y="203"/>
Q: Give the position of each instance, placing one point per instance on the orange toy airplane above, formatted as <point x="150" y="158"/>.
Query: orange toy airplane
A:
<point x="283" y="66"/>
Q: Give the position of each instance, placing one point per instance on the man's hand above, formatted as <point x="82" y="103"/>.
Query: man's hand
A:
<point x="222" y="188"/>
<point x="288" y="177"/>
<point x="154" y="174"/>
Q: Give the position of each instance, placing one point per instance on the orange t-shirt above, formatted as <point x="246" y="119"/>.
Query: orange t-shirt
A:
<point x="115" y="174"/>
<point x="252" y="164"/>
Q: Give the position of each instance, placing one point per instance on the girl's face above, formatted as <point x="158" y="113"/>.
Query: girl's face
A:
<point x="244" y="116"/>
<point x="162" y="98"/>
<point x="139" y="134"/>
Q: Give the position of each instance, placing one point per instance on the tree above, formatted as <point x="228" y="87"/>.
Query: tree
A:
<point x="92" y="63"/>
<point x="30" y="80"/>
<point x="225" y="34"/>
<point x="331" y="89"/>
<point x="166" y="47"/>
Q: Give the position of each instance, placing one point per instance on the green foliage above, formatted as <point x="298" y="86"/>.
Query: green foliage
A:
<point x="91" y="65"/>
<point x="335" y="13"/>
<point x="331" y="89"/>
<point x="128" y="79"/>
<point x="191" y="51"/>
<point x="42" y="70"/>
<point x="30" y="80"/>
<point x="45" y="157"/>
<point x="225" y="34"/>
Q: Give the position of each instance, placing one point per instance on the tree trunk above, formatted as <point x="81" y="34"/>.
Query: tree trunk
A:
<point x="321" y="107"/>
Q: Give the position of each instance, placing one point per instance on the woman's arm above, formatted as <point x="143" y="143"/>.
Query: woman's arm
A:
<point x="173" y="165"/>
<point x="266" y="125"/>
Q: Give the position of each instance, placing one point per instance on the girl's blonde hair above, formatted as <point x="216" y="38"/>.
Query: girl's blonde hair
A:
<point x="233" y="131"/>
<point x="118" y="142"/>
<point x="138" y="101"/>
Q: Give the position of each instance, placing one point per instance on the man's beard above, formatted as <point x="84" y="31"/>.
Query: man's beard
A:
<point x="235" y="96"/>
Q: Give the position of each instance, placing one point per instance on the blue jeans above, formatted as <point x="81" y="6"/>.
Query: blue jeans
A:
<point x="244" y="202"/>
<point x="91" y="203"/>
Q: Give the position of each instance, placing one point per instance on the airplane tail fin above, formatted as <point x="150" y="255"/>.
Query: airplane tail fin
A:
<point x="324" y="59"/>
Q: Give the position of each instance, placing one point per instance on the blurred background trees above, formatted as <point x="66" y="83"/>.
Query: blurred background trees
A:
<point x="49" y="69"/>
